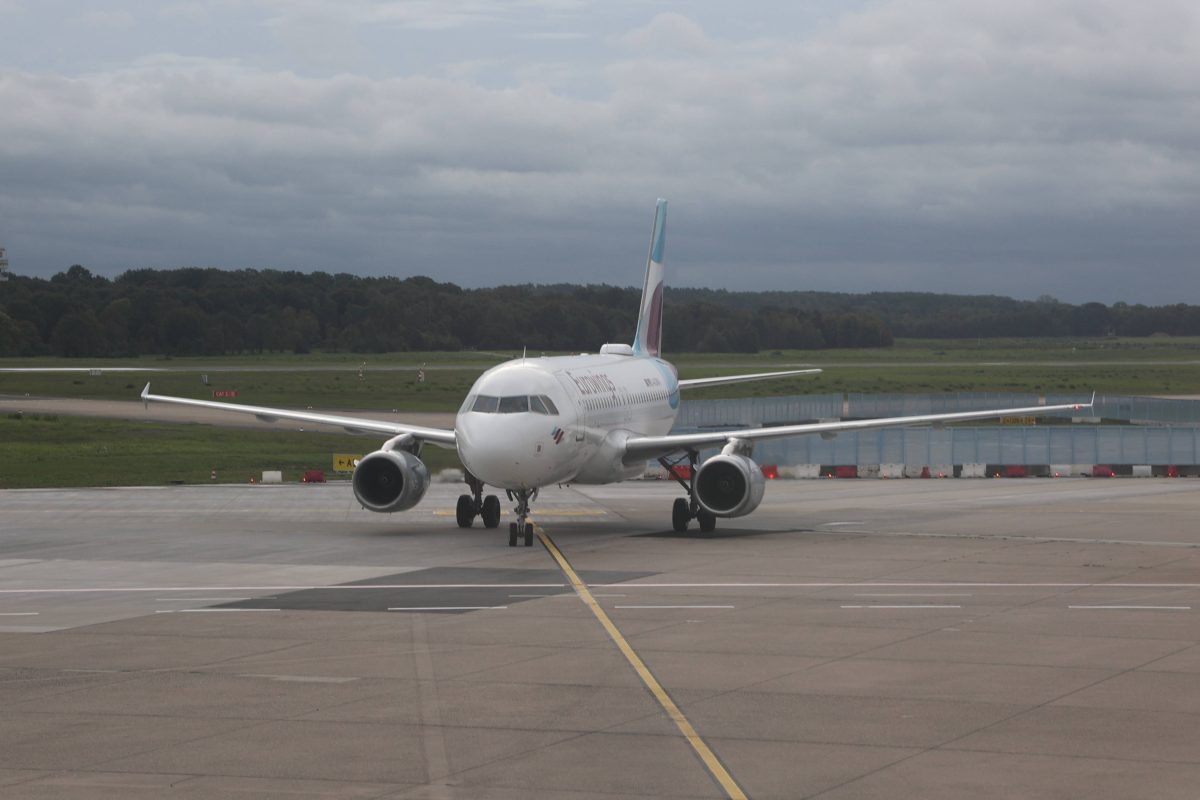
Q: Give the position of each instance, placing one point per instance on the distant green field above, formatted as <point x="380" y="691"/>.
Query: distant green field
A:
<point x="67" y="451"/>
<point x="331" y="381"/>
<point x="72" y="451"/>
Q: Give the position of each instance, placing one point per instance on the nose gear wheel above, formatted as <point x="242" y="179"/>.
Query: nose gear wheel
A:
<point x="522" y="528"/>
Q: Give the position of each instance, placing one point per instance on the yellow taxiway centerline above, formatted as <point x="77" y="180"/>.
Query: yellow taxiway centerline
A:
<point x="707" y="756"/>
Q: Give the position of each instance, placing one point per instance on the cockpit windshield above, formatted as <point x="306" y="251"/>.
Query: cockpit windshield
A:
<point x="513" y="404"/>
<point x="486" y="404"/>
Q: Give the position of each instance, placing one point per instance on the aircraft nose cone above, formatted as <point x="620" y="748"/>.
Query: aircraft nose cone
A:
<point x="506" y="450"/>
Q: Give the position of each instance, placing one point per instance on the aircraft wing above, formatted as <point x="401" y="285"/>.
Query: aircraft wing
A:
<point x="638" y="448"/>
<point x="694" y="383"/>
<point x="352" y="424"/>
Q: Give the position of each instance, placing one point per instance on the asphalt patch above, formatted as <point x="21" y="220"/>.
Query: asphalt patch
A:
<point x="449" y="590"/>
<point x="718" y="533"/>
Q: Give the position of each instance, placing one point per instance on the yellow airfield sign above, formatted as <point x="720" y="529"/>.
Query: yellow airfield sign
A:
<point x="344" y="463"/>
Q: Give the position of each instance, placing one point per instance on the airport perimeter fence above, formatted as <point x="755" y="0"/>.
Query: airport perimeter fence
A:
<point x="754" y="411"/>
<point x="1161" y="432"/>
<point x="1014" y="444"/>
<point x="1137" y="410"/>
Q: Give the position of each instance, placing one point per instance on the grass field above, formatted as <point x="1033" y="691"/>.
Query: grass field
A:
<point x="66" y="451"/>
<point x="331" y="381"/>
<point x="37" y="451"/>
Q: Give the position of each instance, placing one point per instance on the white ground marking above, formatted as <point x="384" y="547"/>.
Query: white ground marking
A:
<point x="1135" y="608"/>
<point x="295" y="588"/>
<point x="208" y="610"/>
<point x="299" y="678"/>
<point x="898" y="585"/>
<point x="564" y="594"/>
<point x="673" y="606"/>
<point x="19" y="614"/>
<point x="835" y="524"/>
<point x="205" y="599"/>
<point x="254" y="590"/>
<point x="1007" y="536"/>
<point x="908" y="594"/>
<point x="445" y="608"/>
<point x="906" y="606"/>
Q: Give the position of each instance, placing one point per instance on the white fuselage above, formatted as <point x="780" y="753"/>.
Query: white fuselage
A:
<point x="519" y="441"/>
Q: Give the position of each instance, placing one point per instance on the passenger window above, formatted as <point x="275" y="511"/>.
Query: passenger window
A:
<point x="550" y="407"/>
<point x="515" y="404"/>
<point x="485" y="404"/>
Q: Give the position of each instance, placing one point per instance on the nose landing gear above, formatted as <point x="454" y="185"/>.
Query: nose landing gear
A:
<point x="475" y="504"/>
<point x="522" y="528"/>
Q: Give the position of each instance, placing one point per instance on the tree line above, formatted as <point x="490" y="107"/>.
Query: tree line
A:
<point x="926" y="315"/>
<point x="213" y="312"/>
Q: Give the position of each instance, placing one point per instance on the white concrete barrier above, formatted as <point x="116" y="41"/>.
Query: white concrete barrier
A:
<point x="973" y="470"/>
<point x="800" y="471"/>
<point x="655" y="472"/>
<point x="891" y="470"/>
<point x="1141" y="470"/>
<point x="272" y="476"/>
<point x="1060" y="470"/>
<point x="868" y="470"/>
<point x="914" y="470"/>
<point x="941" y="470"/>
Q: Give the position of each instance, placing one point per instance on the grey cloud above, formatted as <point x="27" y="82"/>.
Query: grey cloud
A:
<point x="1015" y="147"/>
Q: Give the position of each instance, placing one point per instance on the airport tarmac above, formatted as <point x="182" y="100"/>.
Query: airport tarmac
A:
<point x="850" y="639"/>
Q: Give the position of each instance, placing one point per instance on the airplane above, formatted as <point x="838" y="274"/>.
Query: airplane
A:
<point x="587" y="419"/>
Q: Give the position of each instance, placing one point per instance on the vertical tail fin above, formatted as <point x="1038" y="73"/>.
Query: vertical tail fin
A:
<point x="648" y="340"/>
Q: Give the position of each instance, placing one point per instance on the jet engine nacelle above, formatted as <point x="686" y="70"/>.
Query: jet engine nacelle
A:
<point x="390" y="480"/>
<point x="729" y="485"/>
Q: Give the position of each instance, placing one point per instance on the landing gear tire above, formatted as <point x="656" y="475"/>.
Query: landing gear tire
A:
<point x="680" y="514"/>
<point x="465" y="511"/>
<point x="522" y="528"/>
<point x="708" y="521"/>
<point x="490" y="512"/>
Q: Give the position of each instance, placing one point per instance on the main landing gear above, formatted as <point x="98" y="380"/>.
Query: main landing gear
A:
<point x="686" y="509"/>
<point x="475" y="504"/>
<point x="522" y="528"/>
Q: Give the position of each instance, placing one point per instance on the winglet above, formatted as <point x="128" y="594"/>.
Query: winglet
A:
<point x="1089" y="403"/>
<point x="146" y="396"/>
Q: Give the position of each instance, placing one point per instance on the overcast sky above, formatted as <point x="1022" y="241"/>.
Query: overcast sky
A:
<point x="1018" y="147"/>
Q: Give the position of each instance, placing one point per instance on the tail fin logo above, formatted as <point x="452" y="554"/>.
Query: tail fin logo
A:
<point x="653" y="333"/>
<point x="648" y="339"/>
